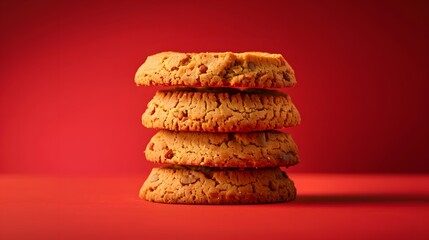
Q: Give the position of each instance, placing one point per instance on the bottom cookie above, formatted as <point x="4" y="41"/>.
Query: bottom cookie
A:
<point x="203" y="185"/>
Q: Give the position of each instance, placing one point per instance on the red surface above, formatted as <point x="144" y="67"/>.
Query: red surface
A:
<point x="328" y="207"/>
<point x="69" y="105"/>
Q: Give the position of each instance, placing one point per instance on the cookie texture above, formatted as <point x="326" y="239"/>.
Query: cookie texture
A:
<point x="249" y="69"/>
<point x="238" y="150"/>
<point x="220" y="110"/>
<point x="202" y="185"/>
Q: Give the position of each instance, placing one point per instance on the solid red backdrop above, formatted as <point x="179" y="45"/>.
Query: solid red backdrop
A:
<point x="69" y="104"/>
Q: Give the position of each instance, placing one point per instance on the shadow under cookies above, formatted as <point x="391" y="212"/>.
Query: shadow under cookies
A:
<point x="364" y="198"/>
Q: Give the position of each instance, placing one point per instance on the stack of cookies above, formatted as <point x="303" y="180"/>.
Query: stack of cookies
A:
<point x="216" y="126"/>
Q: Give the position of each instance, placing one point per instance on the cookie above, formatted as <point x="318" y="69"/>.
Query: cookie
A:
<point x="202" y="185"/>
<point x="249" y="69"/>
<point x="220" y="110"/>
<point x="238" y="150"/>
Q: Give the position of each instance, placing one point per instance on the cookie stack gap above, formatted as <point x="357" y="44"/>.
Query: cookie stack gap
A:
<point x="217" y="124"/>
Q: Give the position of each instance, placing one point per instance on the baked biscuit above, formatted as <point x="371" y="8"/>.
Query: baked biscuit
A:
<point x="220" y="110"/>
<point x="249" y="69"/>
<point x="202" y="185"/>
<point x="238" y="150"/>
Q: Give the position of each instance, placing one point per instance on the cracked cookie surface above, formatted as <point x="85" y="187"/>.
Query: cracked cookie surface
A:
<point x="203" y="185"/>
<point x="239" y="150"/>
<point x="220" y="110"/>
<point x="227" y="69"/>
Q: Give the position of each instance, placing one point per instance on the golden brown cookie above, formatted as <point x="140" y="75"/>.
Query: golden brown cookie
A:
<point x="238" y="150"/>
<point x="220" y="110"/>
<point x="202" y="185"/>
<point x="249" y="69"/>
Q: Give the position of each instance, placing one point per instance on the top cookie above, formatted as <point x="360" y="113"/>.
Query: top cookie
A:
<point x="249" y="69"/>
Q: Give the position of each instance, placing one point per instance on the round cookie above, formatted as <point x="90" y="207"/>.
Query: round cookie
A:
<point x="202" y="185"/>
<point x="220" y="110"/>
<point x="249" y="69"/>
<point x="238" y="150"/>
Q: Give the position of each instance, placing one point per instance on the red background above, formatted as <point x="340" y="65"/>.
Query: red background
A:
<point x="69" y="104"/>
